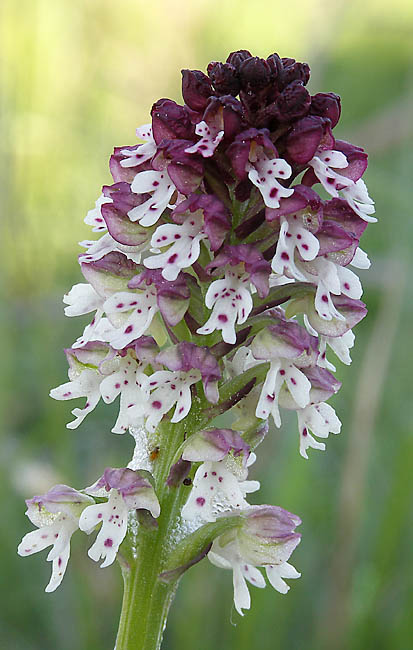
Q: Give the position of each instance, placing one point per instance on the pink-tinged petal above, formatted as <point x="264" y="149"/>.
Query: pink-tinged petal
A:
<point x="196" y="89"/>
<point x="305" y="201"/>
<point x="122" y="229"/>
<point x="214" y="445"/>
<point x="110" y="273"/>
<point x="326" y="105"/>
<point x="356" y="159"/>
<point x="170" y="121"/>
<point x="306" y="136"/>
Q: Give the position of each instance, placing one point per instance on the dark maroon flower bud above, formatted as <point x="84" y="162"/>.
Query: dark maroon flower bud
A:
<point x="225" y="114"/>
<point x="170" y="121"/>
<point x="125" y="174"/>
<point x="326" y="105"/>
<point x="306" y="137"/>
<point x="224" y="77"/>
<point x="275" y="63"/>
<point x="196" y="89"/>
<point x="236" y="58"/>
<point x="293" y="102"/>
<point x="357" y="159"/>
<point x="293" y="71"/>
<point x="255" y="74"/>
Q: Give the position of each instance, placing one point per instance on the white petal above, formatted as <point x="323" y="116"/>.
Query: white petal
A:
<point x="113" y="515"/>
<point x="59" y="565"/>
<point x="81" y="299"/>
<point x="242" y="598"/>
<point x="298" y="384"/>
<point x="277" y="572"/>
<point x="253" y="575"/>
<point x="360" y="260"/>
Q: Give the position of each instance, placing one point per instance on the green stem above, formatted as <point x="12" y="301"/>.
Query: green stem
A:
<point x="146" y="599"/>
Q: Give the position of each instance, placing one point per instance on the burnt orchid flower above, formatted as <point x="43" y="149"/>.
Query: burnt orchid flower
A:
<point x="126" y="490"/>
<point x="56" y="515"/>
<point x="221" y="282"/>
<point x="266" y="538"/>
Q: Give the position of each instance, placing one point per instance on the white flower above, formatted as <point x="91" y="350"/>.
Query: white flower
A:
<point x="275" y="573"/>
<point x="56" y="514"/>
<point x="185" y="248"/>
<point x="321" y="419"/>
<point x="82" y="299"/>
<point x="161" y="188"/>
<point x="209" y="141"/>
<point x="170" y="389"/>
<point x="231" y="301"/>
<point x="130" y="313"/>
<point x="106" y="244"/>
<point x="126" y="379"/>
<point x="263" y="173"/>
<point x="293" y="236"/>
<point x="340" y="345"/>
<point x="127" y="490"/>
<point x="330" y="278"/>
<point x="142" y="152"/>
<point x="228" y="557"/>
<point x="94" y="217"/>
<point x="219" y="487"/>
<point x="325" y="165"/>
<point x="265" y="538"/>
<point x="282" y="370"/>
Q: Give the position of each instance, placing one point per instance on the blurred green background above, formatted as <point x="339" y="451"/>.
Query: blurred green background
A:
<point x="77" y="77"/>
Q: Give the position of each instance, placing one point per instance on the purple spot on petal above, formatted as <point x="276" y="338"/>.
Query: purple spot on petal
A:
<point x="200" y="501"/>
<point x="108" y="542"/>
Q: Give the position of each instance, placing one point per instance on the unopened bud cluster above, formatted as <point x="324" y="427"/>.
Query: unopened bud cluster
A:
<point x="220" y="282"/>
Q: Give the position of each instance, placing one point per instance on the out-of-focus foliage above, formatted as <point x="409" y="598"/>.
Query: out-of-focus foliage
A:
<point x="76" y="78"/>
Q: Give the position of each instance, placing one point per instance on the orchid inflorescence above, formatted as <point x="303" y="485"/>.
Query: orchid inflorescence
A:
<point x="220" y="281"/>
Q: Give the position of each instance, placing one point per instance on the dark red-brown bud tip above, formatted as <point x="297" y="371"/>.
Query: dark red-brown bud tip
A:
<point x="224" y="78"/>
<point x="255" y="73"/>
<point x="236" y="58"/>
<point x="275" y="63"/>
<point x="293" y="71"/>
<point x="196" y="89"/>
<point x="293" y="102"/>
<point x="326" y="105"/>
